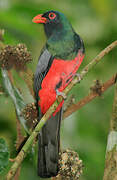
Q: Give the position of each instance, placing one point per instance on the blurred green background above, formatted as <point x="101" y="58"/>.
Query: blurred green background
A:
<point x="86" y="130"/>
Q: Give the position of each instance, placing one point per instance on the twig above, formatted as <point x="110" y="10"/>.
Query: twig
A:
<point x="98" y="57"/>
<point x="29" y="142"/>
<point x="68" y="102"/>
<point x="27" y="76"/>
<point x="16" y="177"/>
<point x="74" y="107"/>
<point x="110" y="171"/>
<point x="10" y="76"/>
<point x="20" y="137"/>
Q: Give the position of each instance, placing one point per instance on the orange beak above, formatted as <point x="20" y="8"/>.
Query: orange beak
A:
<point x="39" y="19"/>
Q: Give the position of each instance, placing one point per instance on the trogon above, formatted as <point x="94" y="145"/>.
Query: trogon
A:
<point x="58" y="63"/>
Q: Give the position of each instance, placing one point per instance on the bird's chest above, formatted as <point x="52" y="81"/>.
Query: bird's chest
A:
<point x="58" y="77"/>
<point x="57" y="74"/>
<point x="61" y="73"/>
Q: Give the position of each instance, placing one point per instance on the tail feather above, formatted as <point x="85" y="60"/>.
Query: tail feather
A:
<point x="49" y="142"/>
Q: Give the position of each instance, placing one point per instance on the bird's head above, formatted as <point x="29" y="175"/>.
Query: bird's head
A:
<point x="50" y="17"/>
<point x="53" y="21"/>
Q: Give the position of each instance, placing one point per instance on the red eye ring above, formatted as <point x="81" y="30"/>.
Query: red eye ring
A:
<point x="52" y="15"/>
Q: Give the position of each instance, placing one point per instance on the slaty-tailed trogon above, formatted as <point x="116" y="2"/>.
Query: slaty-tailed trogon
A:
<point x="58" y="63"/>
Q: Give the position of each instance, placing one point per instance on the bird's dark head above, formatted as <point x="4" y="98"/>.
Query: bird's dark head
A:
<point x="53" y="21"/>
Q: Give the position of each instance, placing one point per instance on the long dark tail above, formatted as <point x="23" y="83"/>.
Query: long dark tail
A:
<point x="49" y="142"/>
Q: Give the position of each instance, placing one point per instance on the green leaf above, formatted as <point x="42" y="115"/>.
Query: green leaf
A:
<point x="4" y="155"/>
<point x="16" y="98"/>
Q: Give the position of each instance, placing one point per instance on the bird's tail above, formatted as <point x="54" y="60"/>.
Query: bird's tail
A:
<point x="48" y="151"/>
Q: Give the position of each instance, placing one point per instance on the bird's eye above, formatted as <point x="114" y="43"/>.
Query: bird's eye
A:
<point x="52" y="15"/>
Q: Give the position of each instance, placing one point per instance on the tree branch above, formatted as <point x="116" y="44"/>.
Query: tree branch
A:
<point x="74" y="107"/>
<point x="29" y="142"/>
<point x="98" y="58"/>
<point x="110" y="171"/>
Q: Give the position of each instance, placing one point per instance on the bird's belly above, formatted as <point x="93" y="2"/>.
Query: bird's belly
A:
<point x="58" y="77"/>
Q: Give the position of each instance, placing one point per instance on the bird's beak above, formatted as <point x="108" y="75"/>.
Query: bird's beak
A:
<point x="39" y="19"/>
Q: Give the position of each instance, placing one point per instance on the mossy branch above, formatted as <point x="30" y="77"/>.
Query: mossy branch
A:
<point x="29" y="142"/>
<point x="110" y="171"/>
<point x="103" y="87"/>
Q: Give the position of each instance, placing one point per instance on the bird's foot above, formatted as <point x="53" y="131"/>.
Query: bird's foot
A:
<point x="12" y="160"/>
<point x="78" y="77"/>
<point x="58" y="93"/>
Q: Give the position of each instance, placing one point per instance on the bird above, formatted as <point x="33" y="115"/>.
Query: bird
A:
<point x="59" y="60"/>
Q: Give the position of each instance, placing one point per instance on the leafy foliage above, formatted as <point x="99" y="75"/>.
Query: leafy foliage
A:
<point x="16" y="98"/>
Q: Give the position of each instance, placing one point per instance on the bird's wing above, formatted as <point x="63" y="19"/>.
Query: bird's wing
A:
<point x="44" y="63"/>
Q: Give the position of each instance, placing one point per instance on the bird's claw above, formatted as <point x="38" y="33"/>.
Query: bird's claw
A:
<point x="78" y="77"/>
<point x="58" y="93"/>
<point x="11" y="160"/>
